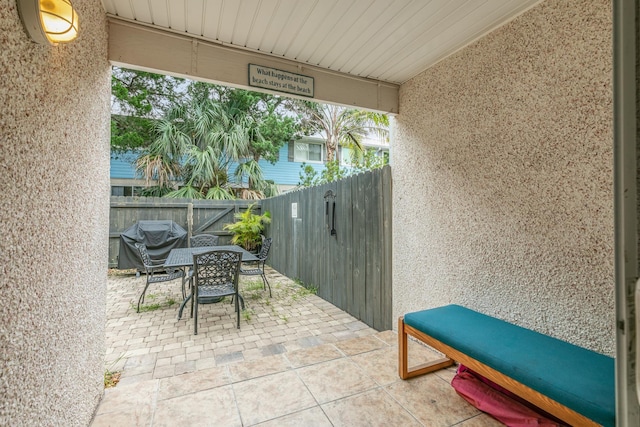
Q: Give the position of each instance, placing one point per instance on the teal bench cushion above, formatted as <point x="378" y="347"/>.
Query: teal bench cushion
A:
<point x="578" y="378"/>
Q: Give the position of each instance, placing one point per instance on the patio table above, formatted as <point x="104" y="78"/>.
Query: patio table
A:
<point x="183" y="258"/>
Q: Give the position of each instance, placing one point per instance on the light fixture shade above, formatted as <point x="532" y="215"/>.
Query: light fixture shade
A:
<point x="49" y="21"/>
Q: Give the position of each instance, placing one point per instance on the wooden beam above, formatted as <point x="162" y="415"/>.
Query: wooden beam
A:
<point x="538" y="399"/>
<point x="135" y="45"/>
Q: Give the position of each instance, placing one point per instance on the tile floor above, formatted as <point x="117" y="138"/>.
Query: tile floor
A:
<point x="297" y="360"/>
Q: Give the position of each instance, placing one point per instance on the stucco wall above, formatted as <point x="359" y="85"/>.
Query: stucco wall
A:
<point x="54" y="170"/>
<point x="503" y="180"/>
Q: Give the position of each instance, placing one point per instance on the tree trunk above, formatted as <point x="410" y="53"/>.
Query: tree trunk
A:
<point x="331" y="147"/>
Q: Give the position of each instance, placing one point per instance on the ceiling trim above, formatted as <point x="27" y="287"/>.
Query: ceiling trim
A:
<point x="135" y="45"/>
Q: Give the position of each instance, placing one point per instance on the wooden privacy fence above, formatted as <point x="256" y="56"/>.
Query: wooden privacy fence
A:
<point x="195" y="216"/>
<point x="337" y="237"/>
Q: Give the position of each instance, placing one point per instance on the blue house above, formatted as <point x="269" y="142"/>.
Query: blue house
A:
<point x="285" y="173"/>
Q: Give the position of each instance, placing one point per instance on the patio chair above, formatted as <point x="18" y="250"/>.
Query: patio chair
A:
<point x="152" y="268"/>
<point x="198" y="241"/>
<point x="204" y="240"/>
<point x="256" y="268"/>
<point x="215" y="275"/>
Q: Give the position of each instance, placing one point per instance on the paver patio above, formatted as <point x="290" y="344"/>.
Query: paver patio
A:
<point x="296" y="361"/>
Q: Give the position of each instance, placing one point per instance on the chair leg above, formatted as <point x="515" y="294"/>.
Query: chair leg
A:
<point x="193" y="301"/>
<point x="141" y="299"/>
<point x="195" y="317"/>
<point x="184" y="292"/>
<point x="264" y="280"/>
<point x="182" y="307"/>
<point x="238" y="310"/>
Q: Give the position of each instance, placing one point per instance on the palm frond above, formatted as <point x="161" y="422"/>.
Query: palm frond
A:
<point x="186" y="192"/>
<point x="219" y="193"/>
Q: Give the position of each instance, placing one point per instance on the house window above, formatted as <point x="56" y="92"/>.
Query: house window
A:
<point x="127" y="191"/>
<point x="117" y="190"/>
<point x="307" y="152"/>
<point x="346" y="156"/>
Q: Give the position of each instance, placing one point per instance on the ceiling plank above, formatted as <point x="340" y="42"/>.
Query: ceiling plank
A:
<point x="178" y="14"/>
<point x="160" y="13"/>
<point x="211" y="17"/>
<point x="123" y="8"/>
<point x="142" y="11"/>
<point x="227" y="22"/>
<point x="194" y="17"/>
<point x="261" y="23"/>
<point x="314" y="26"/>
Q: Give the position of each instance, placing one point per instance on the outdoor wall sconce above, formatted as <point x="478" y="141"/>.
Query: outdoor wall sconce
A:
<point x="49" y="21"/>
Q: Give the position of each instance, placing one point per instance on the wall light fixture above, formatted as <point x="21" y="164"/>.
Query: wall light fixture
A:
<point x="49" y="21"/>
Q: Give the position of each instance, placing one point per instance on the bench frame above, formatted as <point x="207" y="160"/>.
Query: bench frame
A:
<point x="451" y="354"/>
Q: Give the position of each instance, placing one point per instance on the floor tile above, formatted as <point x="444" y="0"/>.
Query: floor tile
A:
<point x="381" y="365"/>
<point x="335" y="379"/>
<point x="313" y="355"/>
<point x="313" y="417"/>
<point x="447" y="374"/>
<point x="419" y="353"/>
<point x="133" y="379"/>
<point x="270" y="397"/>
<point x="359" y="345"/>
<point x="309" y="341"/>
<point x="389" y="337"/>
<point x="232" y="357"/>
<point x="214" y="407"/>
<point x="258" y="368"/>
<point x="431" y="401"/>
<point x="128" y="398"/>
<point x="140" y="364"/>
<point x="372" y="408"/>
<point x="482" y="420"/>
<point x="192" y="382"/>
<point x="138" y="417"/>
<point x="273" y="349"/>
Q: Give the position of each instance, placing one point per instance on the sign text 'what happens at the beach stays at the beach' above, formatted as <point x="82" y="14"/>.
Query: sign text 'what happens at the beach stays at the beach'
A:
<point x="280" y="81"/>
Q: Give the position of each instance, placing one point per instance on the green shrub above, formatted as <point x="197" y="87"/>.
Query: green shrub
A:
<point x="247" y="230"/>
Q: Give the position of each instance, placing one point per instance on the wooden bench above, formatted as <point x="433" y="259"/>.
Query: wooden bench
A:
<point x="572" y="383"/>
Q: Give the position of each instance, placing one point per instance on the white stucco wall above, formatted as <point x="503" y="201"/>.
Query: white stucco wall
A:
<point x="54" y="171"/>
<point x="503" y="179"/>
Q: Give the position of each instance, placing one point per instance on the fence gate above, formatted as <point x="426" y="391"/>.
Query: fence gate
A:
<point x="195" y="216"/>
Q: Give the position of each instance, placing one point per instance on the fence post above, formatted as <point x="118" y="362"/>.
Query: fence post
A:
<point x="189" y="222"/>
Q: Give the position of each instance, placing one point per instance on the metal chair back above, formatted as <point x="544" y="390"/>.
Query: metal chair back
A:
<point x="200" y="240"/>
<point x="144" y="255"/>
<point x="152" y="268"/>
<point x="264" y="250"/>
<point x="215" y="275"/>
<point x="256" y="268"/>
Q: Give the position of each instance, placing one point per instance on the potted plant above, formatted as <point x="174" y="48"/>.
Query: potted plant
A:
<point x="247" y="230"/>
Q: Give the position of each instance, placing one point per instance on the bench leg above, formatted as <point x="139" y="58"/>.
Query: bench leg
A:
<point x="403" y="358"/>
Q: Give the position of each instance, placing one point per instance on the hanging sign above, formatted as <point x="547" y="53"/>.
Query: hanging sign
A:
<point x="280" y="81"/>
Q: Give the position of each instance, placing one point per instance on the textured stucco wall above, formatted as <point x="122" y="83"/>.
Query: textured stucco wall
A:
<point x="54" y="170"/>
<point x="503" y="179"/>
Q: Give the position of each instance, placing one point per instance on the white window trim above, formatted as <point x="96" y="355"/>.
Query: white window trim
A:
<point x="296" y="159"/>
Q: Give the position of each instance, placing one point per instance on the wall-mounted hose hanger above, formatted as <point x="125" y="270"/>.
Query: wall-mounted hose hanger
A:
<point x="330" y="211"/>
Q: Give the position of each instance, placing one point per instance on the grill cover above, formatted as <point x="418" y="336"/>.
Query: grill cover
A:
<point x="159" y="236"/>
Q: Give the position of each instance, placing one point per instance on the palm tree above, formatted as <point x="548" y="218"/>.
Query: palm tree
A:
<point x="341" y="125"/>
<point x="198" y="142"/>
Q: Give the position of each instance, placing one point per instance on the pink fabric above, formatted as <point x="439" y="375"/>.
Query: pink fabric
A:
<point x="477" y="391"/>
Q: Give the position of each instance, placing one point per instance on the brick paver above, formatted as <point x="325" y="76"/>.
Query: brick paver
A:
<point x="292" y="319"/>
